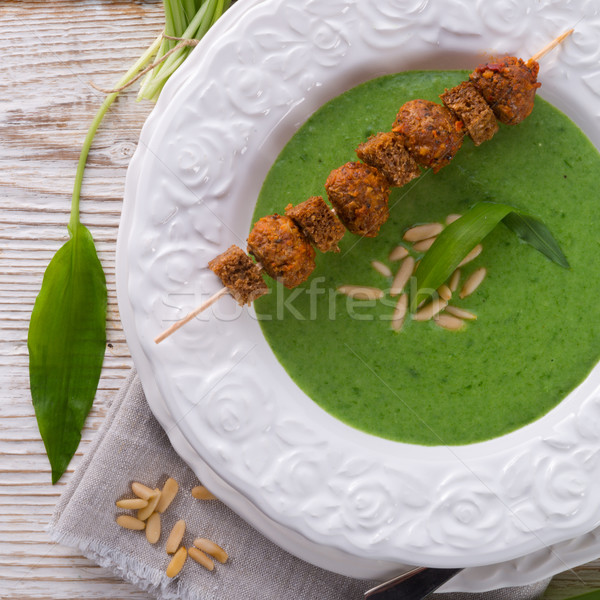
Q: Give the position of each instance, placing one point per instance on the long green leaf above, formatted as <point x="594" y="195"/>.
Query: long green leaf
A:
<point x="66" y="341"/>
<point x="536" y="234"/>
<point x="460" y="237"/>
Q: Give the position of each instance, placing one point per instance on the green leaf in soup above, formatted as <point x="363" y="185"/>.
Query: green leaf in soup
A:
<point x="66" y="341"/>
<point x="461" y="236"/>
<point x="536" y="234"/>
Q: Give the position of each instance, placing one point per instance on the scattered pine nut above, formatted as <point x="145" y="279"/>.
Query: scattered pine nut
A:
<point x="145" y="512"/>
<point x="175" y="537"/>
<point x="177" y="562"/>
<point x="211" y="548"/>
<point x="400" y="312"/>
<point x="430" y="310"/>
<point x="129" y="522"/>
<point x="422" y="232"/>
<point x="451" y="218"/>
<point x="381" y="268"/>
<point x="461" y="313"/>
<point x="454" y="280"/>
<point x="473" y="282"/>
<point x="472" y="255"/>
<point x="398" y="253"/>
<point x="402" y="276"/>
<point x="358" y="292"/>
<point x="201" y="558"/>
<point x="201" y="493"/>
<point x="141" y="490"/>
<point x="153" y="528"/>
<point x="167" y="495"/>
<point x="444" y="292"/>
<point x="132" y="503"/>
<point x="424" y="245"/>
<point x="449" y="322"/>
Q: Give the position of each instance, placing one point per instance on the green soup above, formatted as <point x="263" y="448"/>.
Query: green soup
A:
<point x="537" y="335"/>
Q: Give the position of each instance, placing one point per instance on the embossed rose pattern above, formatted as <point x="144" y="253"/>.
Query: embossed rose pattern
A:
<point x="237" y="92"/>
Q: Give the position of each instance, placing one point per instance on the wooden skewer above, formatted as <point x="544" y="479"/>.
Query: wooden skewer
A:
<point x="188" y="318"/>
<point x="555" y="42"/>
<point x="165" y="334"/>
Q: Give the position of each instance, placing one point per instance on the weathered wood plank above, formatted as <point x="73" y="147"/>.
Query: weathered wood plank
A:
<point x="52" y="50"/>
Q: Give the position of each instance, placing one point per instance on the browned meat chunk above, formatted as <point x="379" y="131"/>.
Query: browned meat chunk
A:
<point x="359" y="193"/>
<point x="318" y="223"/>
<point x="239" y="275"/>
<point x="282" y="249"/>
<point x="386" y="152"/>
<point x="430" y="132"/>
<point x="508" y="86"/>
<point x="471" y="108"/>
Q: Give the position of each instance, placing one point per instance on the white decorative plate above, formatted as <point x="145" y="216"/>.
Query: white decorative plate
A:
<point x="282" y="462"/>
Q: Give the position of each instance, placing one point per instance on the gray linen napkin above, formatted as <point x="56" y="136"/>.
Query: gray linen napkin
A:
<point x="132" y="446"/>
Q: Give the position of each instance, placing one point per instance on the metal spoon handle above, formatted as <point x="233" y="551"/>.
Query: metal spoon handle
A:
<point x="414" y="585"/>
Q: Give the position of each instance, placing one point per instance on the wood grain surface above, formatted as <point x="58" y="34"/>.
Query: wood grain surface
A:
<point x="51" y="51"/>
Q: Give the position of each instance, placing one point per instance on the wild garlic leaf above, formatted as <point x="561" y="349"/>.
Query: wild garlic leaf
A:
<point x="536" y="234"/>
<point x="66" y="341"/>
<point x="461" y="236"/>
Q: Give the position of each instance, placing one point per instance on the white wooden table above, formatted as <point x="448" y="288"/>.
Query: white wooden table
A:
<point x="51" y="51"/>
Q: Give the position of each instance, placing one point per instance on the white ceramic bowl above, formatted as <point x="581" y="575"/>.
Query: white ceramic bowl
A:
<point x="203" y="155"/>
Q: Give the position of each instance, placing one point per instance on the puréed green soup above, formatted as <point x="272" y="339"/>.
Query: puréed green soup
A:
<point x="537" y="335"/>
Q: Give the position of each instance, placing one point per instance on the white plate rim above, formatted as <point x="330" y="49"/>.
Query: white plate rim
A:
<point x="570" y="429"/>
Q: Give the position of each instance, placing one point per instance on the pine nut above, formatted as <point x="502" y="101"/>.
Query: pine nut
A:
<point x="400" y="312"/>
<point x="430" y="310"/>
<point x="472" y="255"/>
<point x="424" y="245"/>
<point x="153" y="528"/>
<point x="201" y="558"/>
<point x="381" y="268"/>
<point x="132" y="503"/>
<point x="461" y="313"/>
<point x="358" y="292"/>
<point x="451" y="218"/>
<point x="402" y="276"/>
<point x="129" y="522"/>
<point x="211" y="548"/>
<point x="167" y="495"/>
<point x="175" y="537"/>
<point x="141" y="490"/>
<point x="398" y="253"/>
<point x="444" y="292"/>
<point x="449" y="322"/>
<point x="422" y="232"/>
<point x="145" y="512"/>
<point x="473" y="282"/>
<point x="177" y="562"/>
<point x="454" y="280"/>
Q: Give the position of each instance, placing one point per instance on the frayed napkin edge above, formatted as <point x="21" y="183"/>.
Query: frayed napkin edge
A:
<point x="150" y="580"/>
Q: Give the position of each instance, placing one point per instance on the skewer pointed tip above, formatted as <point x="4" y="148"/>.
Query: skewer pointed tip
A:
<point x="555" y="42"/>
<point x="165" y="334"/>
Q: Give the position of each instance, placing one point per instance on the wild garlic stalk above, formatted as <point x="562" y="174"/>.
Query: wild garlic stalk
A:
<point x="139" y="64"/>
<point x="207" y="12"/>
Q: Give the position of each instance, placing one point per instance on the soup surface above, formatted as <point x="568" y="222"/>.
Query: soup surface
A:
<point x="537" y="334"/>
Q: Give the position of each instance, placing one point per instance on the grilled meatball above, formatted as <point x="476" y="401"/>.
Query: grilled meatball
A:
<point x="239" y="275"/>
<point x="359" y="194"/>
<point x="430" y="132"/>
<point x="318" y="223"/>
<point x="508" y="86"/>
<point x="386" y="152"/>
<point x="282" y="249"/>
<point x="471" y="108"/>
